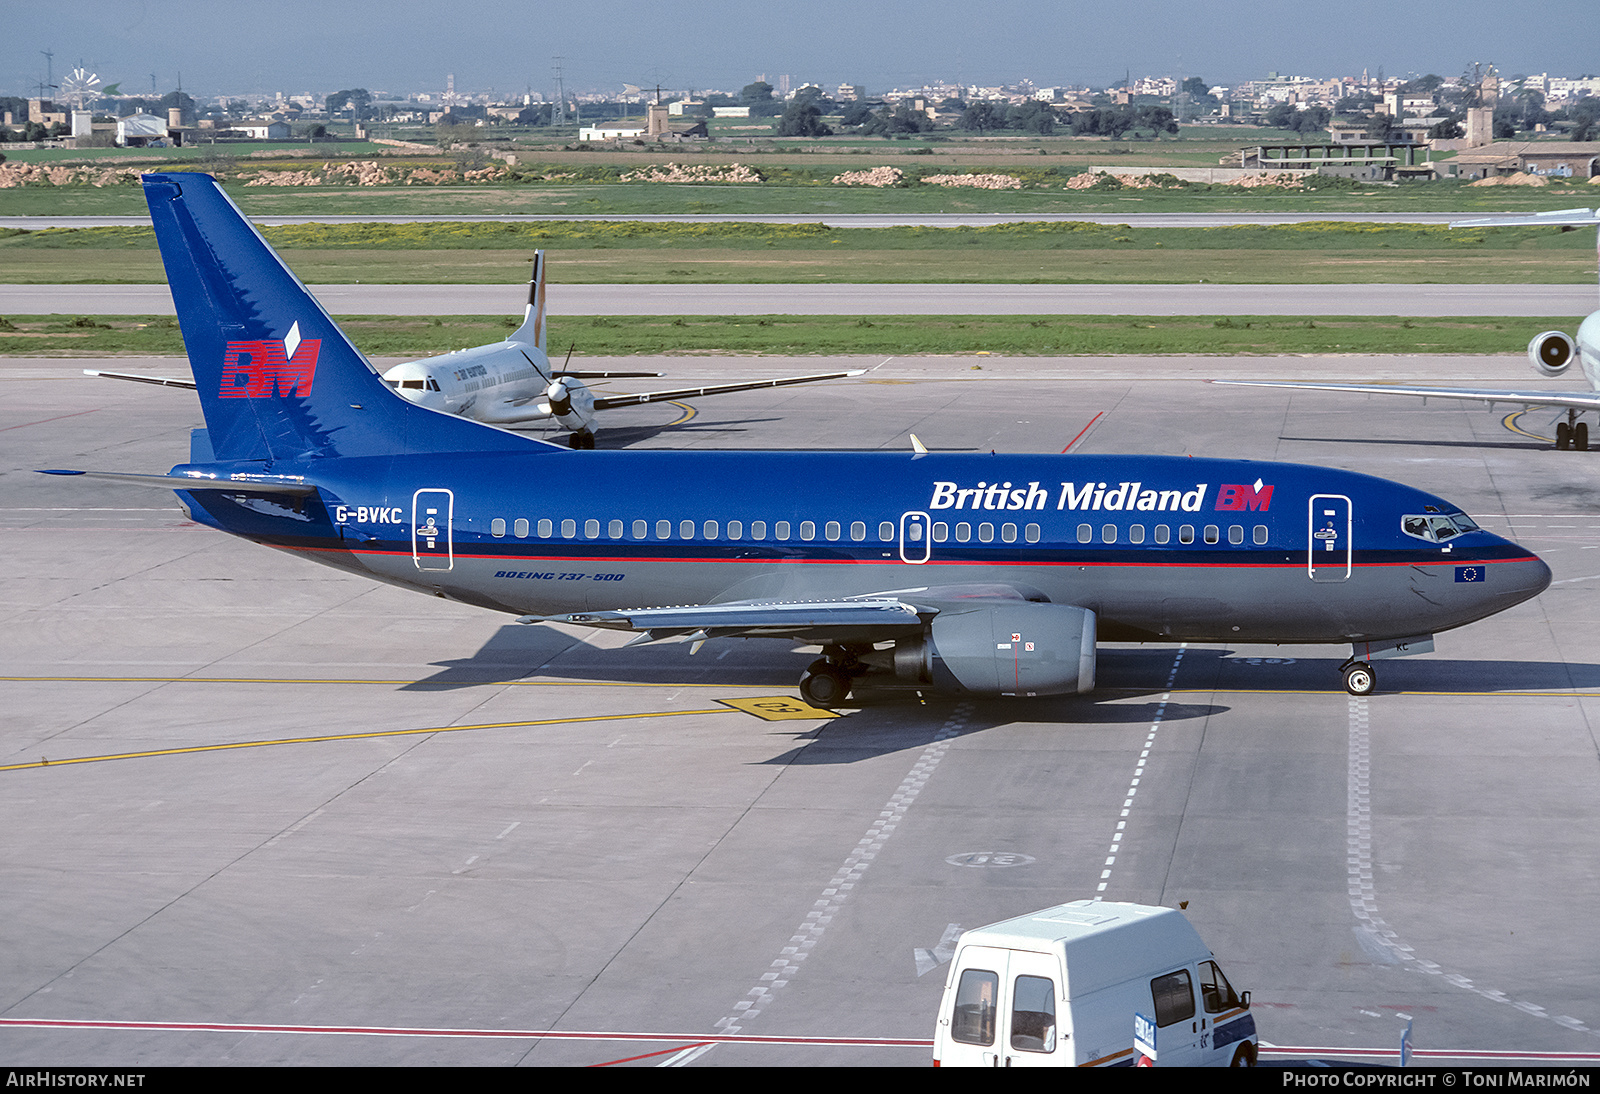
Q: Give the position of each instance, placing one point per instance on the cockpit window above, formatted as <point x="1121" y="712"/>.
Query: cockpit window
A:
<point x="1435" y="527"/>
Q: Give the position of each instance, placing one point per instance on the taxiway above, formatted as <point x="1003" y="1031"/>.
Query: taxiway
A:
<point x="274" y="810"/>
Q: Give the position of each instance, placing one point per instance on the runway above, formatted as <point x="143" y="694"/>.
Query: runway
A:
<point x="837" y="220"/>
<point x="1407" y="300"/>
<point x="260" y="812"/>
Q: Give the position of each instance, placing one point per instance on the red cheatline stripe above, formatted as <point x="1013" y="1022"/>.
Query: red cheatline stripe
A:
<point x="1298" y="564"/>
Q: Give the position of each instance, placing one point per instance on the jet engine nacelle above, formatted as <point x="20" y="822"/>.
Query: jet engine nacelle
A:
<point x="572" y="404"/>
<point x="1010" y="649"/>
<point x="1551" y="352"/>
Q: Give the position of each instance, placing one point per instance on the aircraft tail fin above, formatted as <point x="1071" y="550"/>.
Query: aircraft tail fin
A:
<point x="532" y="330"/>
<point x="277" y="378"/>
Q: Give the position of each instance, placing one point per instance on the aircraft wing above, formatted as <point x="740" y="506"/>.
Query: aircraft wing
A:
<point x="865" y="619"/>
<point x="611" y="402"/>
<point x="164" y="381"/>
<point x="873" y="617"/>
<point x="1579" y="400"/>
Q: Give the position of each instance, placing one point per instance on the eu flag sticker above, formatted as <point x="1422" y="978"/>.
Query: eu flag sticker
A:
<point x="1469" y="573"/>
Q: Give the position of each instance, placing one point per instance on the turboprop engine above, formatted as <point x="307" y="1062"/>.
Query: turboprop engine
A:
<point x="572" y="404"/>
<point x="1551" y="352"/>
<point x="1010" y="649"/>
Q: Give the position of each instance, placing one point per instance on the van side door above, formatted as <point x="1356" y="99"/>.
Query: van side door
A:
<point x="1183" y="1035"/>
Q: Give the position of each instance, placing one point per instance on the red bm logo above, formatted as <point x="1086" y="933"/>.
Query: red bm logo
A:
<point x="269" y="367"/>
<point x="1255" y="497"/>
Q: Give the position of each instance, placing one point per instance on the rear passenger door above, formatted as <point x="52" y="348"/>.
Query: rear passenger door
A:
<point x="1006" y="1011"/>
<point x="1033" y="1037"/>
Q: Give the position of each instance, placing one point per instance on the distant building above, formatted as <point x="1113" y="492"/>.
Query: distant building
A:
<point x="610" y="132"/>
<point x="141" y="130"/>
<point x="263" y="131"/>
<point x="45" y="112"/>
<point x="1563" y="159"/>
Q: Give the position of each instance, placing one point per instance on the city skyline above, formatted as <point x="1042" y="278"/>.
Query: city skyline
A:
<point x="251" y="47"/>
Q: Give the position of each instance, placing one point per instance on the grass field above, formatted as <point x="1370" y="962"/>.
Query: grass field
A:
<point x="633" y="253"/>
<point x="788" y="335"/>
<point x="633" y="199"/>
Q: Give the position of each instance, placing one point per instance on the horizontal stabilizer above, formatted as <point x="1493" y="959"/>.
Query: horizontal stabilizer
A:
<point x="247" y="484"/>
<point x="163" y="381"/>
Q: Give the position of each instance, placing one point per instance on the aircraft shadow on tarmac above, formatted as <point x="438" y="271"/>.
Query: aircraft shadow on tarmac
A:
<point x="515" y="652"/>
<point x="1228" y="670"/>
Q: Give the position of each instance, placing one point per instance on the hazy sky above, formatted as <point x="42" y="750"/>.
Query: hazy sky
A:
<point x="242" y="46"/>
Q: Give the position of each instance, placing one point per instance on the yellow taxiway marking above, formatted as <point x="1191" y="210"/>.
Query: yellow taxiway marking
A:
<point x="223" y="747"/>
<point x="1510" y="422"/>
<point x="777" y="708"/>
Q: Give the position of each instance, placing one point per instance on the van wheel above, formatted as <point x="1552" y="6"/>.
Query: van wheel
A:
<point x="1245" y="1056"/>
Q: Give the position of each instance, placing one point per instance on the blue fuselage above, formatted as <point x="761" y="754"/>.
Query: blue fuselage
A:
<point x="1158" y="547"/>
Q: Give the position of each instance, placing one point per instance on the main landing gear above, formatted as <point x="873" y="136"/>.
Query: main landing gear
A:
<point x="583" y="438"/>
<point x="827" y="680"/>
<point x="1359" y="677"/>
<point x="1572" y="433"/>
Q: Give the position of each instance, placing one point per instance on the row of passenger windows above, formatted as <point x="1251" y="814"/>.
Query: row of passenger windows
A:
<point x="833" y="531"/>
<point x="1110" y="533"/>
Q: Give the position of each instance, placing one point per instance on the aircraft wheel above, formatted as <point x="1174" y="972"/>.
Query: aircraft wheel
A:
<point x="581" y="439"/>
<point x="1245" y="1056"/>
<point x="1580" y="436"/>
<point x="1563" y="436"/>
<point x="823" y="685"/>
<point x="1359" y="679"/>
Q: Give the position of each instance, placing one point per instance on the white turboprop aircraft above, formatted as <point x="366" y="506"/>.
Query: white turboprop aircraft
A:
<point x="512" y="384"/>
<point x="1551" y="353"/>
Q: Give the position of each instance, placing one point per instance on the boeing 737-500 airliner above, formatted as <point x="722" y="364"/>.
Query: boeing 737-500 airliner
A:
<point x="990" y="574"/>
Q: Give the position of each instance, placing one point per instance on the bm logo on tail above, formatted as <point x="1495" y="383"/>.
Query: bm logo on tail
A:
<point x="267" y="368"/>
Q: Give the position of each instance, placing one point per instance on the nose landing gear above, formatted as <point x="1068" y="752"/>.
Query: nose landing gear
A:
<point x="1359" y="678"/>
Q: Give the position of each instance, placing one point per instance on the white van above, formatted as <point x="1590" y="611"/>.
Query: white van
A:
<point x="1060" y="988"/>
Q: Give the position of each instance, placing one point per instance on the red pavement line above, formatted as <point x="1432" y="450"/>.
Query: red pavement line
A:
<point x="1082" y="431"/>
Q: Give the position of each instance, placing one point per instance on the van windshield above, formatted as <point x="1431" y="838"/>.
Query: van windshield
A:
<point x="1215" y="989"/>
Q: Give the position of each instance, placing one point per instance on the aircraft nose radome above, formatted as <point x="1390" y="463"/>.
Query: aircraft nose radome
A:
<point x="1525" y="578"/>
